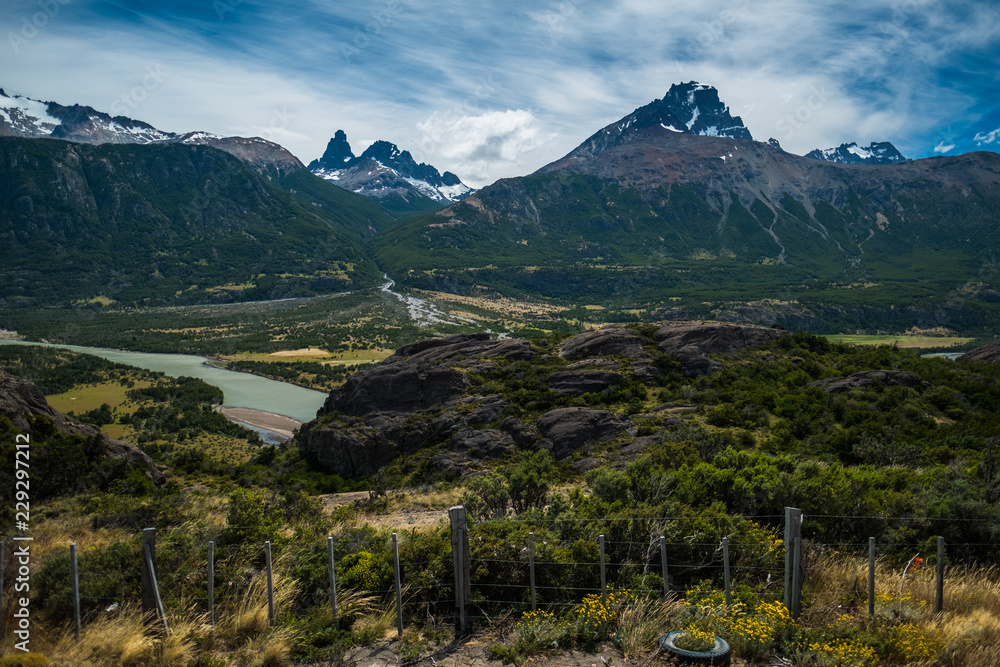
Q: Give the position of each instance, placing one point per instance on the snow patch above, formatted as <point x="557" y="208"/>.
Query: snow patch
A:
<point x="27" y="115"/>
<point x="670" y="127"/>
<point x="694" y="117"/>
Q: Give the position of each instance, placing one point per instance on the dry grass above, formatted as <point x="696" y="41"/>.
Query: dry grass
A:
<point x="970" y="624"/>
<point x="966" y="591"/>
<point x="971" y="639"/>
<point x="427" y="500"/>
<point x="642" y="621"/>
<point x="375" y="625"/>
<point x="126" y="639"/>
<point x="54" y="535"/>
<point x="249" y="617"/>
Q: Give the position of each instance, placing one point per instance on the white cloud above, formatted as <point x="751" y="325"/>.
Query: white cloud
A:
<point x="476" y="145"/>
<point x="812" y="75"/>
<point x="987" y="138"/>
<point x="943" y="147"/>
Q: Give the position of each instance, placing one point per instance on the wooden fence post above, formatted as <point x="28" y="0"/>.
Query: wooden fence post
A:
<point x="663" y="561"/>
<point x="159" y="610"/>
<point x="461" y="561"/>
<point x="399" y="586"/>
<point x="74" y="574"/>
<point x="939" y="601"/>
<point x="793" y="529"/>
<point x="333" y="582"/>
<point x="604" y="581"/>
<point x="149" y="607"/>
<point x="725" y="569"/>
<point x="531" y="569"/>
<point x="211" y="582"/>
<point x="797" y="576"/>
<point x="871" y="576"/>
<point x="270" y="583"/>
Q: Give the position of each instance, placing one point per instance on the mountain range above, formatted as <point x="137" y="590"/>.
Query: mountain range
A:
<point x="32" y="119"/>
<point x="674" y="210"/>
<point x="389" y="175"/>
<point x="668" y="212"/>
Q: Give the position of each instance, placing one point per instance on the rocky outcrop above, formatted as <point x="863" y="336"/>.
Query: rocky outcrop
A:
<point x="396" y="388"/>
<point x="990" y="352"/>
<point x="567" y="429"/>
<point x="431" y="396"/>
<point x="581" y="382"/>
<point x="20" y="399"/>
<point x="608" y="342"/>
<point x="613" y="341"/>
<point x="867" y="378"/>
<point x="388" y="411"/>
<point x="489" y="443"/>
<point x="447" y="348"/>
<point x="691" y="343"/>
<point x="360" y="447"/>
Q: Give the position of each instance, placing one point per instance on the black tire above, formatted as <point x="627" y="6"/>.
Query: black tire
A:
<point x="719" y="655"/>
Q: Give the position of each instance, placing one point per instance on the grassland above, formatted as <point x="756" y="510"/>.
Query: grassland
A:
<point x="899" y="340"/>
<point x="85" y="397"/>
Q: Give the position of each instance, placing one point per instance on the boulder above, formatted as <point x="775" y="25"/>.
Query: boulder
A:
<point x="691" y="342"/>
<point x="866" y="378"/>
<point x="574" y="383"/>
<point x="485" y="409"/>
<point x="639" y="445"/>
<point x="572" y="428"/>
<point x="525" y="435"/>
<point x="396" y="388"/>
<point x="20" y="398"/>
<point x="489" y="443"/>
<point x="990" y="352"/>
<point x="432" y="350"/>
<point x="451" y="465"/>
<point x="358" y="448"/>
<point x="612" y="341"/>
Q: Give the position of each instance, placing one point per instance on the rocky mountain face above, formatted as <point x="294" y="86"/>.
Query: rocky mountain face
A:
<point x="687" y="108"/>
<point x="726" y="227"/>
<point x="21" y="400"/>
<point x="389" y="175"/>
<point x="171" y="222"/>
<point x="881" y="152"/>
<point x="32" y="119"/>
<point x="429" y="401"/>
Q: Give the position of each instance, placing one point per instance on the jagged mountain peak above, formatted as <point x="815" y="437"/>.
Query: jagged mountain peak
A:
<point x="701" y="111"/>
<point x="686" y="108"/>
<point x="384" y="171"/>
<point x="338" y="151"/>
<point x="881" y="152"/>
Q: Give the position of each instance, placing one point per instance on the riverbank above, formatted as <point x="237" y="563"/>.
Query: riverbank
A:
<point x="280" y="425"/>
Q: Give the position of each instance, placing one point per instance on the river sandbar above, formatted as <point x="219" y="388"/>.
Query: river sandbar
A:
<point x="278" y="424"/>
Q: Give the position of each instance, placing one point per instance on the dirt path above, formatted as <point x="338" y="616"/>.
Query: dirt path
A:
<point x="471" y="652"/>
<point x="400" y="520"/>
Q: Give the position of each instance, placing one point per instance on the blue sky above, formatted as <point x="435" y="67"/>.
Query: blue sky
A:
<point x="497" y="89"/>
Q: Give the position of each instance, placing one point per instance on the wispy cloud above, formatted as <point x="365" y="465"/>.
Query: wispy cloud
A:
<point x="987" y="137"/>
<point x="943" y="147"/>
<point x="499" y="89"/>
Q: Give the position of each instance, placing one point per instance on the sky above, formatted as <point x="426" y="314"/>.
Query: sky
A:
<point x="497" y="89"/>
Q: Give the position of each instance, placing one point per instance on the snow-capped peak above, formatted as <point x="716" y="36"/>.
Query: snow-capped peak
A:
<point x="384" y="170"/>
<point x="689" y="108"/>
<point x="876" y="153"/>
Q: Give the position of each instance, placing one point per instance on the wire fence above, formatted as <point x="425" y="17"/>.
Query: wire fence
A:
<point x="509" y="566"/>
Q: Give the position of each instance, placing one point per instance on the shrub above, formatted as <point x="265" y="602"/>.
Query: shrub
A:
<point x="250" y="518"/>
